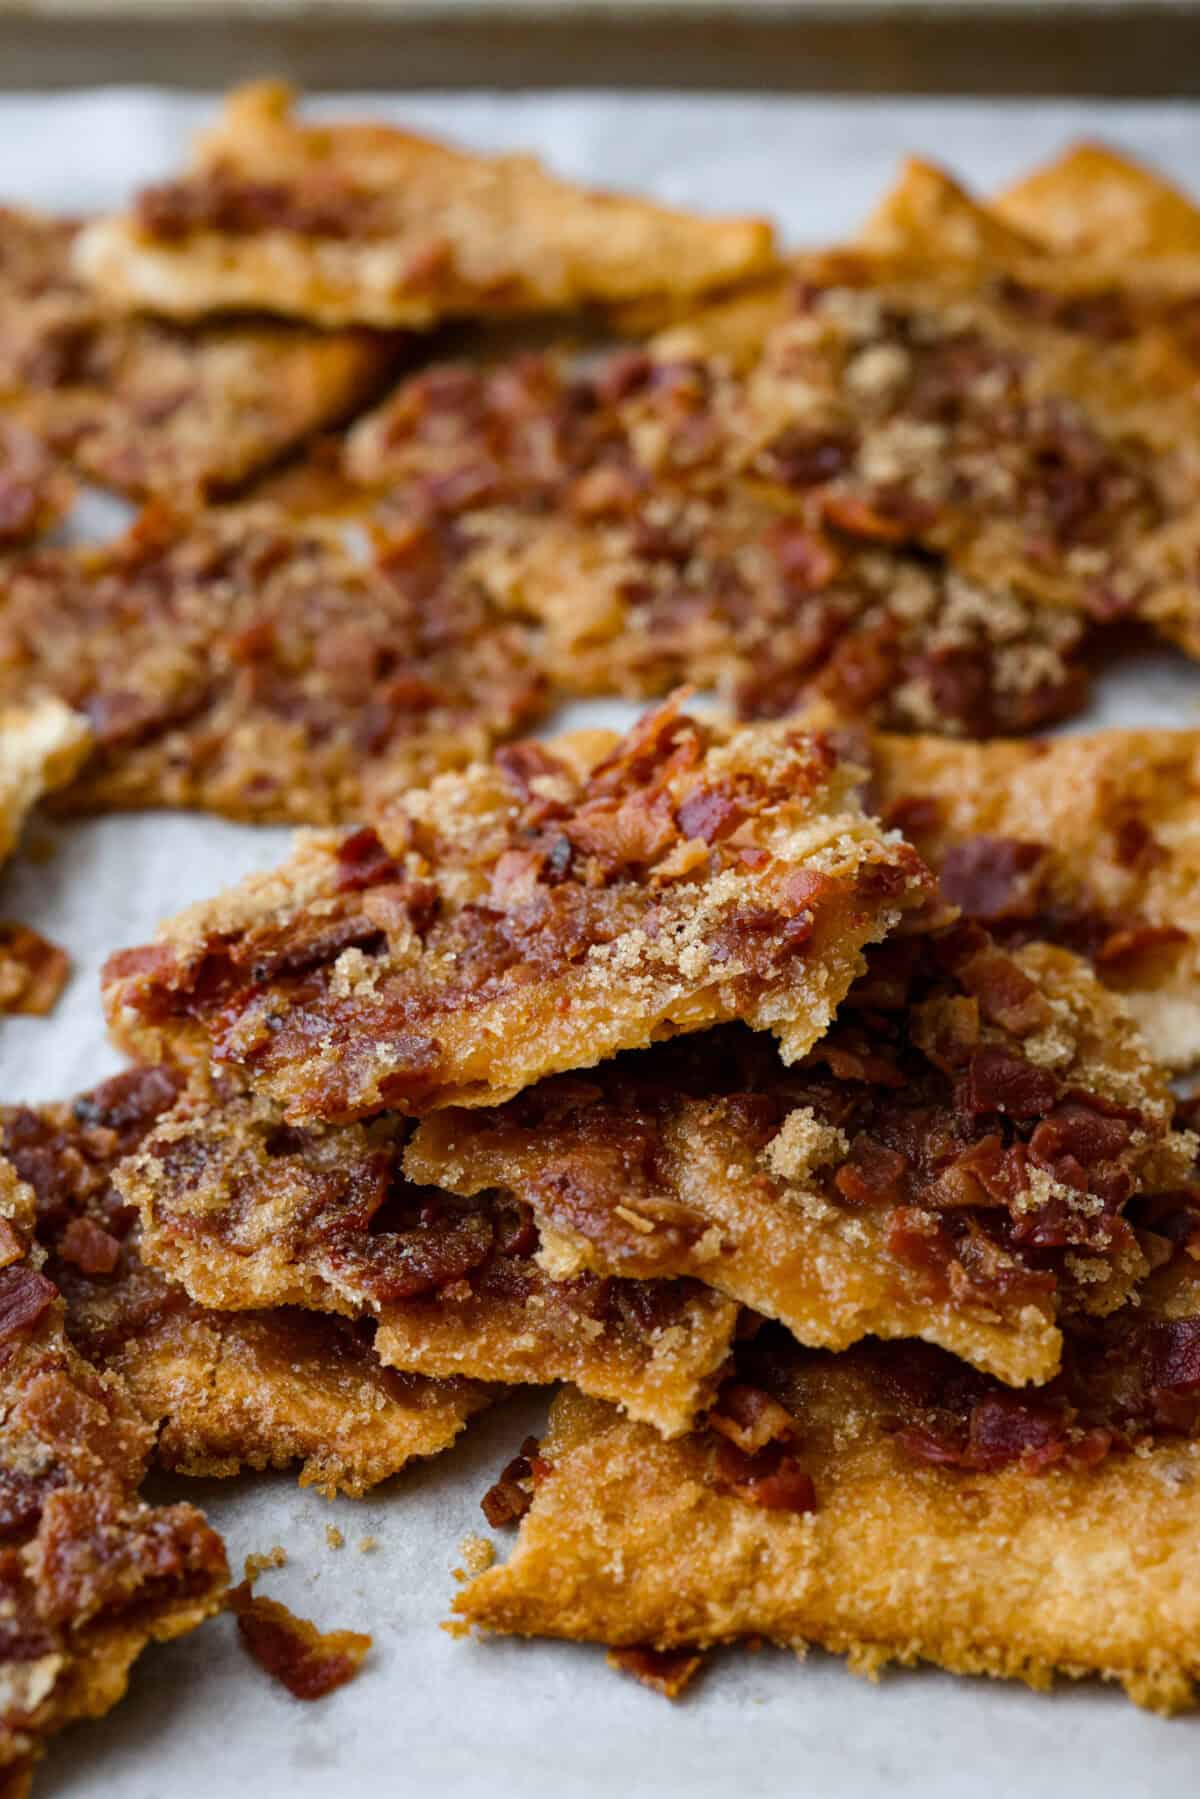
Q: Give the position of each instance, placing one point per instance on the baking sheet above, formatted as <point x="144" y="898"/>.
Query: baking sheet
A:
<point x="430" y="1714"/>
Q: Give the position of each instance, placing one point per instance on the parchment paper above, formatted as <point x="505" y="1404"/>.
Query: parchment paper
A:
<point x="430" y="1715"/>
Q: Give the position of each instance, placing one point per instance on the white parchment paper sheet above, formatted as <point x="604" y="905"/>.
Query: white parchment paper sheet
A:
<point x="430" y="1715"/>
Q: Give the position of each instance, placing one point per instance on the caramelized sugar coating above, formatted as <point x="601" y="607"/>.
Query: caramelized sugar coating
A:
<point x="42" y="744"/>
<point x="891" y="1505"/>
<point x="951" y="1161"/>
<point x="366" y="224"/>
<point x="89" y="1574"/>
<point x="604" y="502"/>
<point x="1086" y="841"/>
<point x="246" y="1211"/>
<point x="151" y="408"/>
<point x="34" y="492"/>
<point x="249" y="665"/>
<point x="533" y="914"/>
<point x="223" y="1391"/>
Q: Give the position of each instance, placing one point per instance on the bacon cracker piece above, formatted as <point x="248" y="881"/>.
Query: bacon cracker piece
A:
<point x="534" y="914"/>
<point x="34" y="492"/>
<point x="1097" y="200"/>
<point x="365" y="224"/>
<point x="912" y="1178"/>
<point x="151" y="408"/>
<point x="1086" y="841"/>
<point x="307" y="1661"/>
<point x="224" y="1390"/>
<point x="602" y="502"/>
<point x="249" y="665"/>
<point x="247" y="1211"/>
<point x="955" y="411"/>
<point x="928" y="216"/>
<point x="89" y="1574"/>
<point x="42" y="744"/>
<point x="945" y="1519"/>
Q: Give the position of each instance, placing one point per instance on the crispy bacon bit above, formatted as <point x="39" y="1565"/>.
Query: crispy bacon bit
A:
<point x="665" y="1671"/>
<point x="750" y="1418"/>
<point x="874" y="1174"/>
<point x="710" y="813"/>
<point x="993" y="878"/>
<point x="363" y="862"/>
<point x="771" y="1478"/>
<point x="307" y="1661"/>
<point x="915" y="815"/>
<point x="511" y="1496"/>
<point x="88" y="1247"/>
<point x="1172" y="1350"/>
<point x="24" y="1296"/>
<point x="1006" y="994"/>
<point x="999" y="1081"/>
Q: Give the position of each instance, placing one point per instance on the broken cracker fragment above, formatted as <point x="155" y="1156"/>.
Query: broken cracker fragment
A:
<point x="33" y="971"/>
<point x="665" y="1671"/>
<point x="43" y="742"/>
<point x="553" y="896"/>
<point x="356" y="223"/>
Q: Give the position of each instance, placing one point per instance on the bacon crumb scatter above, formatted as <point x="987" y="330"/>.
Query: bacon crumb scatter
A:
<point x="511" y="1495"/>
<point x="310" y="1663"/>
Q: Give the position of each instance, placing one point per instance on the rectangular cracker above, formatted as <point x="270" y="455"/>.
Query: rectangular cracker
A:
<point x="979" y="1533"/>
<point x="248" y="1212"/>
<point x="536" y="913"/>
<point x="838" y="1197"/>
<point x="251" y="665"/>
<point x="366" y="224"/>
<point x="601" y="500"/>
<point x="147" y="407"/>
<point x="221" y="1390"/>
<point x="1089" y="841"/>
<point x="89" y="1572"/>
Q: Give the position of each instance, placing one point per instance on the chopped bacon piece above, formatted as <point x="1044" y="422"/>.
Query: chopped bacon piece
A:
<point x="24" y="1296"/>
<point x="511" y="1496"/>
<point x="771" y="1478"/>
<point x="307" y="1661"/>
<point x="999" y="1081"/>
<point x="750" y="1418"/>
<point x="665" y="1671"/>
<point x="993" y="878"/>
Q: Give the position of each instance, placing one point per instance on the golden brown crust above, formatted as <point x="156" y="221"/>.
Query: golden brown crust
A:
<point x="221" y="1390"/>
<point x="89" y="1574"/>
<point x="910" y="1549"/>
<point x="367" y="224"/>
<point x="534" y="914"/>
<point x="1089" y="841"/>
<point x="152" y="408"/>
<point x="33" y="971"/>
<point x="831" y="1196"/>
<point x="1097" y="200"/>
<point x="247" y="1212"/>
<point x="251" y="665"/>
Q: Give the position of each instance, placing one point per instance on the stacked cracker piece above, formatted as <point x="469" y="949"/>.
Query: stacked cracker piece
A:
<point x="794" y="1086"/>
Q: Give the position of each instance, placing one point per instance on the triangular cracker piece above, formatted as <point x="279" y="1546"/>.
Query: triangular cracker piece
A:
<point x="533" y="914"/>
<point x="366" y="224"/>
